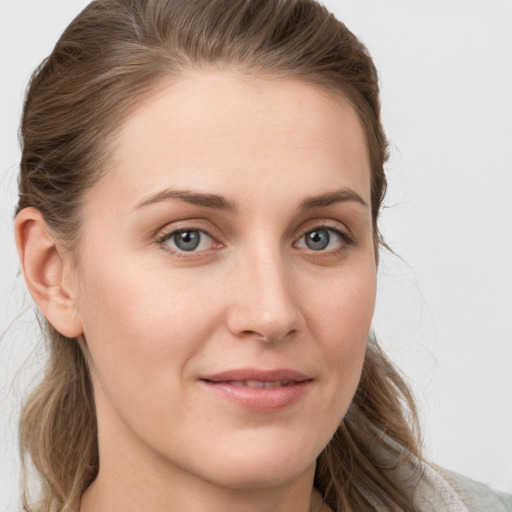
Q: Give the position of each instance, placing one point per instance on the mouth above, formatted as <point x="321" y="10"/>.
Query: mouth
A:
<point x="259" y="390"/>
<point x="246" y="376"/>
<point x="258" y="384"/>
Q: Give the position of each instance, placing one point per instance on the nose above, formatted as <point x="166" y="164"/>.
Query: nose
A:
<point x="264" y="303"/>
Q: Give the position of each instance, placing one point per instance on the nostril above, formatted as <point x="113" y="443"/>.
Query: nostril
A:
<point x="268" y="337"/>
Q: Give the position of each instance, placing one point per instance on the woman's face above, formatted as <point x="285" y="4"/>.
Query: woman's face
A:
<point x="226" y="280"/>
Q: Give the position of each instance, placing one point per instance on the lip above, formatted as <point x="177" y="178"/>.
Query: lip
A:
<point x="229" y="386"/>
<point x="257" y="374"/>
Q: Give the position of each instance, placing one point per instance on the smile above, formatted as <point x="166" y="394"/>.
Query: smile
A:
<point x="259" y="390"/>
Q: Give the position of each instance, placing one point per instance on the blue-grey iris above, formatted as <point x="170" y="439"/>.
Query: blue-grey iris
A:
<point x="318" y="239"/>
<point x="187" y="240"/>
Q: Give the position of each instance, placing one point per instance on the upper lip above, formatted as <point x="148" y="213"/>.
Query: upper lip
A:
<point x="243" y="374"/>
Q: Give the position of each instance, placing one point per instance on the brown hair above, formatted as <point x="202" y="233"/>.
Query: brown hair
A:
<point x="110" y="58"/>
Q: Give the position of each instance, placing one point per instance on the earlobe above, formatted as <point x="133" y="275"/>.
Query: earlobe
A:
<point x="44" y="269"/>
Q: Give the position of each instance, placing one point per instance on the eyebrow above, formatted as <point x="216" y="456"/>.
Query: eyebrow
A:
<point x="218" y="202"/>
<point x="338" y="196"/>
<point x="213" y="201"/>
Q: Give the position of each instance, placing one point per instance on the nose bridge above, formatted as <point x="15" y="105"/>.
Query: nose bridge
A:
<point x="264" y="303"/>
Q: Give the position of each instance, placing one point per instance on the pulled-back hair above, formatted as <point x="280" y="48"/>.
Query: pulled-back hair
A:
<point x="109" y="59"/>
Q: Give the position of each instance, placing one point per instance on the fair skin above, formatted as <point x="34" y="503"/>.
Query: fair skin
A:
<point x="272" y="278"/>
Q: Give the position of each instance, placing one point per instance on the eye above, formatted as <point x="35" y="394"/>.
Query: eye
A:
<point x="188" y="240"/>
<point x="322" y="239"/>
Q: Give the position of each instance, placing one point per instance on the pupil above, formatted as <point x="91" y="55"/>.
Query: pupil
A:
<point x="317" y="240"/>
<point x="187" y="240"/>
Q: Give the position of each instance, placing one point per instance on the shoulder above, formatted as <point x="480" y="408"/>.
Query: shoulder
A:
<point x="440" y="489"/>
<point x="476" y="496"/>
<point x="434" y="489"/>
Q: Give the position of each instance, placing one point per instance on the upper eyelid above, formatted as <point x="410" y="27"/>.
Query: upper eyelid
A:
<point x="169" y="234"/>
<point x="332" y="225"/>
<point x="321" y="225"/>
<point x="186" y="225"/>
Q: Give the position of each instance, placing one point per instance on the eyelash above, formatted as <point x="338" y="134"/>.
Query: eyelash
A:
<point x="346" y="240"/>
<point x="169" y="235"/>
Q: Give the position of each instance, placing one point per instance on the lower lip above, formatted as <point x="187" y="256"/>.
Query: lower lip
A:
<point x="259" y="399"/>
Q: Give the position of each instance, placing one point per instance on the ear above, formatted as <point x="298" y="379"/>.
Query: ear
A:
<point x="47" y="273"/>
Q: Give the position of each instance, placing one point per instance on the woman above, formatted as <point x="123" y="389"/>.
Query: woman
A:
<point x="199" y="194"/>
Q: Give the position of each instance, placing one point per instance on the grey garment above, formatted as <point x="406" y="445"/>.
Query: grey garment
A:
<point x="440" y="490"/>
<point x="434" y="489"/>
<point x="475" y="496"/>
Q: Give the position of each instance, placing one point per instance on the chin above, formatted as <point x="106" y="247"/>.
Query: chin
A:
<point x="270" y="466"/>
<point x="258" y="477"/>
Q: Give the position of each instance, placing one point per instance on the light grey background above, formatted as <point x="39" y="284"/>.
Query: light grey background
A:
<point x="444" y="308"/>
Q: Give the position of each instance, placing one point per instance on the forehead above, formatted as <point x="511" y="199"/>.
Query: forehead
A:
<point x="225" y="131"/>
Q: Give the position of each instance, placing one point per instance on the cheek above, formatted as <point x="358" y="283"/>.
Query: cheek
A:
<point x="340" y="317"/>
<point x="136" y="293"/>
<point x="343" y="308"/>
<point x="142" y="322"/>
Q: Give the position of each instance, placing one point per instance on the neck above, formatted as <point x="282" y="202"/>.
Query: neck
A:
<point x="133" y="478"/>
<point x="117" y="494"/>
